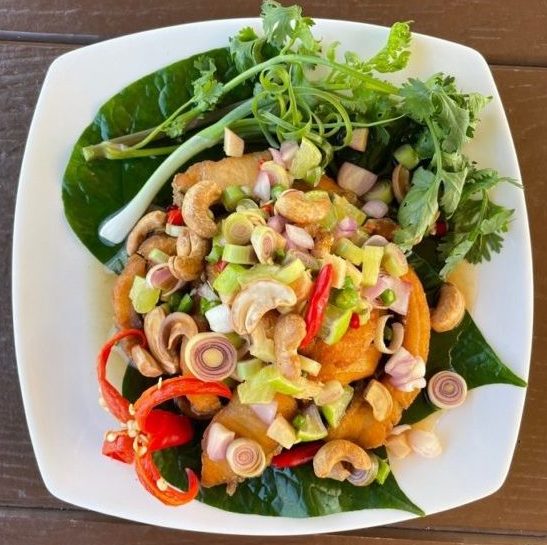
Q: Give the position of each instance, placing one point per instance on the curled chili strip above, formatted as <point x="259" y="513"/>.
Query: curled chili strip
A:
<point x="172" y="388"/>
<point x="318" y="304"/>
<point x="165" y="429"/>
<point x="121" y="448"/>
<point x="115" y="402"/>
<point x="150" y="477"/>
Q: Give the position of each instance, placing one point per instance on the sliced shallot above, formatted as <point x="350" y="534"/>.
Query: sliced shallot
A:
<point x="375" y="209"/>
<point x="355" y="178"/>
<point x="218" y="439"/>
<point x="265" y="411"/>
<point x="298" y="236"/>
<point x="376" y="240"/>
<point x="262" y="186"/>
<point x="277" y="223"/>
<point x="159" y="276"/>
<point x="406" y="371"/>
<point x="347" y="227"/>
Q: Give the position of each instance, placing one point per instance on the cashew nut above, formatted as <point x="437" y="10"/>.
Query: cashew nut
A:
<point x="323" y="244"/>
<point x="379" y="398"/>
<point x="185" y="268"/>
<point x="146" y="225"/>
<point x="162" y="242"/>
<point x="163" y="333"/>
<point x="145" y="362"/>
<point x="331" y="457"/>
<point x="400" y="182"/>
<point x="251" y="303"/>
<point x="289" y="332"/>
<point x="190" y="244"/>
<point x="296" y="207"/>
<point x="195" y="207"/>
<point x="450" y="309"/>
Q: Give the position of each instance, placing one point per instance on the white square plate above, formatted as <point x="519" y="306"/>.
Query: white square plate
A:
<point x="61" y="297"/>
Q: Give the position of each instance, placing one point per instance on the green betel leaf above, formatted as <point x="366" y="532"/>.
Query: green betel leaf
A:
<point x="464" y="350"/>
<point x="94" y="190"/>
<point x="293" y="492"/>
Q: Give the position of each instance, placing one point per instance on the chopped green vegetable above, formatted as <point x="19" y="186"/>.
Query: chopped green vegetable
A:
<point x="207" y="304"/>
<point x="242" y="255"/>
<point x="237" y="229"/>
<point x="231" y="197"/>
<point x="348" y="250"/>
<point x="309" y="366"/>
<point x="248" y="368"/>
<point x="282" y="432"/>
<point x="344" y="209"/>
<point x="186" y="303"/>
<point x="334" y="412"/>
<point x="335" y="324"/>
<point x="312" y="428"/>
<point x="215" y="255"/>
<point x="305" y="159"/>
<point x="372" y="258"/>
<point x="394" y="260"/>
<point x="276" y="191"/>
<point x="407" y="156"/>
<point x="381" y="191"/>
<point x="290" y="272"/>
<point x="157" y="256"/>
<point x="347" y="298"/>
<point x="383" y="471"/>
<point x="143" y="297"/>
<point x="226" y="283"/>
<point x="388" y="297"/>
<point x="299" y="421"/>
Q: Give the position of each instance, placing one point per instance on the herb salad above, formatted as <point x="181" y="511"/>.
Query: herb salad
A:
<point x="295" y="280"/>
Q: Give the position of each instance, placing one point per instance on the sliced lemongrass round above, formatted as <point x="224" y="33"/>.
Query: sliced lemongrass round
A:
<point x="241" y="255"/>
<point x="246" y="457"/>
<point x="447" y="390"/>
<point x="237" y="229"/>
<point x="264" y="243"/>
<point x="364" y="477"/>
<point x="210" y="356"/>
<point x="398" y="333"/>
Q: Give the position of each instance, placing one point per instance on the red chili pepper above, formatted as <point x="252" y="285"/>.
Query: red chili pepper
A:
<point x="220" y="266"/>
<point x="441" y="228"/>
<point x="318" y="303"/>
<point x="174" y="216"/>
<point x="172" y="388"/>
<point x="268" y="208"/>
<point x="166" y="429"/>
<point x="121" y="448"/>
<point x="355" y="322"/>
<point x="115" y="402"/>
<point x="150" y="478"/>
<point x="297" y="456"/>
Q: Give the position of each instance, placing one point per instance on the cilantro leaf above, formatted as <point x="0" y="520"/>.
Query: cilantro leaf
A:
<point x="207" y="89"/>
<point x="453" y="120"/>
<point x="417" y="103"/>
<point x="418" y="209"/>
<point x="246" y="49"/>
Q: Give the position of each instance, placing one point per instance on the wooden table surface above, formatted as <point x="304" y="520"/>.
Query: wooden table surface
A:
<point x="511" y="35"/>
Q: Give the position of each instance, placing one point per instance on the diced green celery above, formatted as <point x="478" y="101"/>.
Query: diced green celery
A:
<point x="174" y="301"/>
<point x="406" y="156"/>
<point x="313" y="428"/>
<point x="263" y="348"/>
<point x="246" y="204"/>
<point x="215" y="255"/>
<point x="307" y="157"/>
<point x="313" y="176"/>
<point x="347" y="299"/>
<point x="248" y="392"/>
<point x="354" y="274"/>
<point x="281" y="431"/>
<point x="372" y="258"/>
<point x="394" y="260"/>
<point x="334" y="412"/>
<point x="339" y="268"/>
<point x="260" y="271"/>
<point x="278" y="173"/>
<point x="143" y="297"/>
<point x="248" y="368"/>
<point x="207" y="304"/>
<point x="360" y="237"/>
<point x="290" y="272"/>
<point x="277" y="189"/>
<point x="242" y="255"/>
<point x="186" y="303"/>
<point x="231" y="196"/>
<point x="277" y="381"/>
<point x="335" y="324"/>
<point x="345" y="209"/>
<point x="316" y="195"/>
<point x="346" y="249"/>
<point x="388" y="297"/>
<point x="381" y="191"/>
<point x="235" y="339"/>
<point x="299" y="421"/>
<point x="226" y="283"/>
<point x="309" y="366"/>
<point x="383" y="471"/>
<point x="157" y="256"/>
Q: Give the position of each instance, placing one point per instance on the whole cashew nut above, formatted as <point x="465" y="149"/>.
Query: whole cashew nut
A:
<point x="195" y="207"/>
<point x="296" y="207"/>
<point x="161" y="242"/>
<point x="251" y="303"/>
<point x="289" y="332"/>
<point x="145" y="362"/>
<point x="379" y="398"/>
<point x="329" y="461"/>
<point x="146" y="225"/>
<point x="185" y="268"/>
<point x="190" y="244"/>
<point x="450" y="309"/>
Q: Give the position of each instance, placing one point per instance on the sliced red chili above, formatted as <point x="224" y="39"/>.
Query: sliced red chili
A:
<point x="115" y="402"/>
<point x="172" y="388"/>
<point x="166" y="429"/>
<point x="297" y="456"/>
<point x="121" y="448"/>
<point x="150" y="477"/>
<point x="441" y="228"/>
<point x="355" y="322"/>
<point x="220" y="266"/>
<point x="174" y="217"/>
<point x="318" y="303"/>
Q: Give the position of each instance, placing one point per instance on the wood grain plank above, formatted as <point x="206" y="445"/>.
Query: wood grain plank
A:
<point x="46" y="527"/>
<point x="505" y="32"/>
<point x="520" y="504"/>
